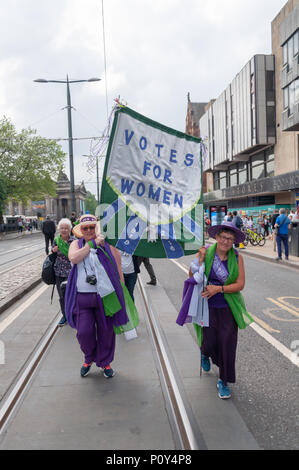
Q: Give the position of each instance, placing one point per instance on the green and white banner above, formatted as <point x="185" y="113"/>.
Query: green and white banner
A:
<point x="151" y="196"/>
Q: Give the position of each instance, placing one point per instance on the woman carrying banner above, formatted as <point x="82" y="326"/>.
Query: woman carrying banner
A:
<point x="225" y="275"/>
<point x="94" y="297"/>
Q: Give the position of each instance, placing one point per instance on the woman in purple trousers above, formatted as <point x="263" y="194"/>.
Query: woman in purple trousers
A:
<point x="94" y="302"/>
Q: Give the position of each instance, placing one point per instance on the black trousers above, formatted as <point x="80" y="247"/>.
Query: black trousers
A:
<point x="148" y="267"/>
<point x="49" y="237"/>
<point x="59" y="280"/>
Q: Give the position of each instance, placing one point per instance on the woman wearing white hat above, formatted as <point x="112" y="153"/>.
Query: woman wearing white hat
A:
<point x="94" y="296"/>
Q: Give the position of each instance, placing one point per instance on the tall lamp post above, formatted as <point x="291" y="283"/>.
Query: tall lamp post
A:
<point x="70" y="133"/>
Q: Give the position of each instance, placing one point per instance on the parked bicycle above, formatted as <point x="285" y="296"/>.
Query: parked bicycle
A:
<point x="254" y="238"/>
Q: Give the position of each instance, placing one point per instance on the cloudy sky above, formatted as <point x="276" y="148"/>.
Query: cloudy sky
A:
<point x="156" y="52"/>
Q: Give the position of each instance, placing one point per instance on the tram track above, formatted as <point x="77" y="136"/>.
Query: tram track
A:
<point x="13" y="396"/>
<point x="182" y="423"/>
<point x="19" y="257"/>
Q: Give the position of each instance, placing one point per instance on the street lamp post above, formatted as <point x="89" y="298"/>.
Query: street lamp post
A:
<point x="97" y="175"/>
<point x="70" y="133"/>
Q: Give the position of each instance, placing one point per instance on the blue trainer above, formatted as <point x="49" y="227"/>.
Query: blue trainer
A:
<point x="109" y="372"/>
<point x="62" y="322"/>
<point x="85" y="369"/>
<point x="205" y="363"/>
<point x="223" y="390"/>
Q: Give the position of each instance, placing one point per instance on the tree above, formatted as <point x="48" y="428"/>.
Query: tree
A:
<point x="3" y="195"/>
<point x="29" y="163"/>
<point x="90" y="202"/>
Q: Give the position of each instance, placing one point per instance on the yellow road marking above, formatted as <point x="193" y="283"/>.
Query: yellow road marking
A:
<point x="281" y="299"/>
<point x="283" y="307"/>
<point x="264" y="324"/>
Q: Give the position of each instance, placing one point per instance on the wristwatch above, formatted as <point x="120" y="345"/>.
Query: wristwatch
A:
<point x="222" y="290"/>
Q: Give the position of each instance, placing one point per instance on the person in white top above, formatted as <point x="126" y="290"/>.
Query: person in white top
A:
<point x="130" y="269"/>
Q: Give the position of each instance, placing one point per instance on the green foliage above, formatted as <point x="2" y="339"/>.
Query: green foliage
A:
<point x="90" y="202"/>
<point x="29" y="163"/>
<point x="3" y="194"/>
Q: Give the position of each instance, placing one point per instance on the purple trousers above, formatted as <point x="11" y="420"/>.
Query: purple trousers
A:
<point x="95" y="332"/>
<point x="220" y="342"/>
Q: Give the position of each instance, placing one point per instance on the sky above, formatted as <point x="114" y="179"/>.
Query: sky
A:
<point x="150" y="53"/>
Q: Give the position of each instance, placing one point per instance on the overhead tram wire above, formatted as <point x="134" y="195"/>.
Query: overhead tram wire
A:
<point x="105" y="58"/>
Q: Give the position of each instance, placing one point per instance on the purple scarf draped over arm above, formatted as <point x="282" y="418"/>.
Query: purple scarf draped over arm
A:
<point x="183" y="316"/>
<point x="120" y="317"/>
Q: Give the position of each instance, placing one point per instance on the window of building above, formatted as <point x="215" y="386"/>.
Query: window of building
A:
<point x="216" y="180"/>
<point x="243" y="176"/>
<point x="291" y="89"/>
<point x="285" y="54"/>
<point x="296" y="42"/>
<point x="269" y="162"/>
<point x="270" y="85"/>
<point x="222" y="180"/>
<point x="242" y="172"/>
<point x="290" y="51"/>
<point x="258" y="172"/>
<point x="297" y="90"/>
<point x="257" y="159"/>
<point x="270" y="121"/>
<point x="233" y="175"/>
<point x="270" y="168"/>
<point x="257" y="166"/>
<point x="285" y="98"/>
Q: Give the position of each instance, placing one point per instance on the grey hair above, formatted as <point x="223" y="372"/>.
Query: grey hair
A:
<point x="66" y="222"/>
<point x="282" y="210"/>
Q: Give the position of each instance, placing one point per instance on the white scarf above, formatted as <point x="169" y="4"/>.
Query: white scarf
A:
<point x="104" y="285"/>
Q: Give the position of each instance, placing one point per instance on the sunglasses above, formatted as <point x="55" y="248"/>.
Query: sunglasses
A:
<point x="88" y="227"/>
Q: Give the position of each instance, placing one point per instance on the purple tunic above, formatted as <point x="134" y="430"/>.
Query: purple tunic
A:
<point x="220" y="338"/>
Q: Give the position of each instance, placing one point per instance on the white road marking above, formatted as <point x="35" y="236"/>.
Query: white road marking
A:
<point x="14" y="315"/>
<point x="263" y="333"/>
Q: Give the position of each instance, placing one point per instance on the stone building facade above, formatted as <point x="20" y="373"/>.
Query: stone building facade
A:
<point x="56" y="207"/>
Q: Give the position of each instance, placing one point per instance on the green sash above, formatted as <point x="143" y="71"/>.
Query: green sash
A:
<point x="63" y="246"/>
<point x="235" y="300"/>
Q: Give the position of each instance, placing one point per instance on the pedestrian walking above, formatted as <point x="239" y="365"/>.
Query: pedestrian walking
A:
<point x="20" y="225"/>
<point x="228" y="217"/>
<point x="282" y="224"/>
<point x="274" y="229"/>
<point x="73" y="219"/>
<point x="48" y="229"/>
<point x="148" y="266"/>
<point x="224" y="271"/>
<point x="94" y="299"/>
<point x="130" y="269"/>
<point x="259" y="224"/>
<point x="295" y="218"/>
<point x="238" y="222"/>
<point x="62" y="265"/>
<point x="266" y="226"/>
<point x="250" y="223"/>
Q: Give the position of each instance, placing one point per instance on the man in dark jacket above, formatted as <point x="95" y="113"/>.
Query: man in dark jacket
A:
<point x="48" y="230"/>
